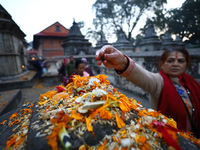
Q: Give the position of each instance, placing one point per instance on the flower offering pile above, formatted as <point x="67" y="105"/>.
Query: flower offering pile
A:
<point x="90" y="113"/>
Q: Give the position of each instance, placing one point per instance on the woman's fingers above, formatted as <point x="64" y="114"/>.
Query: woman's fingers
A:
<point x="97" y="57"/>
<point x="111" y="56"/>
<point x="108" y="55"/>
<point x="99" y="62"/>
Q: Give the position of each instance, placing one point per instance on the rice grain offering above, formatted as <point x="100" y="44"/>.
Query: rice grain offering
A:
<point x="90" y="113"/>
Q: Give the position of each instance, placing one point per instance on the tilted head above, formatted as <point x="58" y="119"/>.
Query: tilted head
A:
<point x="174" y="61"/>
<point x="80" y="67"/>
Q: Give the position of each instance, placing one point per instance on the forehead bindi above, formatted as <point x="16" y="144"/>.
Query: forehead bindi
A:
<point x="176" y="55"/>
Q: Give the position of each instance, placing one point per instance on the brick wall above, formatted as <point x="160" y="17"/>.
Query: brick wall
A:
<point x="52" y="47"/>
<point x="51" y="53"/>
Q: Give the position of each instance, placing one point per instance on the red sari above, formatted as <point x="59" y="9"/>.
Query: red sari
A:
<point x="171" y="104"/>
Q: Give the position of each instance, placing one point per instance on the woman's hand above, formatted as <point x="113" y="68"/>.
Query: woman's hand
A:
<point x="111" y="58"/>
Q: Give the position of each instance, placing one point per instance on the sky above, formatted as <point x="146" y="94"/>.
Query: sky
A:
<point x="33" y="16"/>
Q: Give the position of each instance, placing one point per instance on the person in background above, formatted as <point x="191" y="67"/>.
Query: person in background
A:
<point x="43" y="65"/>
<point x="38" y="68"/>
<point x="169" y="89"/>
<point x="62" y="71"/>
<point x="87" y="68"/>
<point x="70" y="67"/>
<point x="80" y="67"/>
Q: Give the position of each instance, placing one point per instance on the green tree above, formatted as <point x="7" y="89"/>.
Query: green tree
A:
<point x="186" y="20"/>
<point x="123" y="15"/>
<point x="93" y="35"/>
<point x="183" y="21"/>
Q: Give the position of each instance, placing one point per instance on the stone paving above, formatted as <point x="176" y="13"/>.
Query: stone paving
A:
<point x="32" y="94"/>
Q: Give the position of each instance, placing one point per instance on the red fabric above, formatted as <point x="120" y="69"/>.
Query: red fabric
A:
<point x="161" y="127"/>
<point x="171" y="104"/>
<point x="70" y="78"/>
<point x="194" y="89"/>
<point x="65" y="61"/>
<point x="59" y="89"/>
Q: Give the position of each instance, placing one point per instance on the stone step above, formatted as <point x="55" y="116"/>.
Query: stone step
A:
<point x="9" y="100"/>
<point x="25" y="81"/>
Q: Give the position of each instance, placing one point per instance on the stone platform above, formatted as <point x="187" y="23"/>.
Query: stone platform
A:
<point x="24" y="81"/>
<point x="9" y="100"/>
<point x="51" y="79"/>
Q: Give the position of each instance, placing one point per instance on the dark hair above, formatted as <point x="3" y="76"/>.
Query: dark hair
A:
<point x="78" y="62"/>
<point x="175" y="49"/>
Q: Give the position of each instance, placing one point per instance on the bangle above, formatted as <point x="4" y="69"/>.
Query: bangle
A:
<point x="122" y="71"/>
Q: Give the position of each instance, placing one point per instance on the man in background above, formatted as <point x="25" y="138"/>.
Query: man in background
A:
<point x="70" y="67"/>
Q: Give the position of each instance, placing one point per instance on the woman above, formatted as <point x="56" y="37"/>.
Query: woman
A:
<point x="80" y="67"/>
<point x="87" y="68"/>
<point x="173" y="92"/>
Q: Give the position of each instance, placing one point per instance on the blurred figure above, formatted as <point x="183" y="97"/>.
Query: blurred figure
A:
<point x="80" y="67"/>
<point x="87" y="68"/>
<point x="38" y="68"/>
<point x="43" y="65"/>
<point x="70" y="66"/>
<point x="66" y="61"/>
<point x="62" y="71"/>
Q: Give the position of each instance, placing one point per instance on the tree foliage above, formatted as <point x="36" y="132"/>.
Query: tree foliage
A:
<point x="81" y="24"/>
<point x="183" y="21"/>
<point x="123" y="15"/>
<point x="186" y="20"/>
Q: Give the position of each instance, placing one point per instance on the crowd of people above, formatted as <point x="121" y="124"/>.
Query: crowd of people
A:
<point x="70" y="67"/>
<point x="67" y="69"/>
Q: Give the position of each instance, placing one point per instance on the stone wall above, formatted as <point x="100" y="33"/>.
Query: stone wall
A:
<point x="13" y="55"/>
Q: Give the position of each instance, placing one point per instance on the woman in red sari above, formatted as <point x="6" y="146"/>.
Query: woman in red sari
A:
<point x="172" y="91"/>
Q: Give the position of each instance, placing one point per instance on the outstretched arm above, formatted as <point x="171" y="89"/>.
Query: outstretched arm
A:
<point x="126" y="67"/>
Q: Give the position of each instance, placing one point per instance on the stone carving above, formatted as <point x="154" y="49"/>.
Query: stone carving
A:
<point x="102" y="41"/>
<point x="123" y="44"/>
<point x="150" y="32"/>
<point x="167" y="41"/>
<point x="150" y="40"/>
<point x="75" y="42"/>
<point x="13" y="55"/>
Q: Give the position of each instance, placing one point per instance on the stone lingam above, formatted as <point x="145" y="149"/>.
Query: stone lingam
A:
<point x="52" y="77"/>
